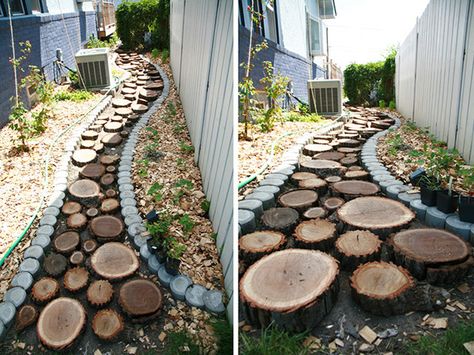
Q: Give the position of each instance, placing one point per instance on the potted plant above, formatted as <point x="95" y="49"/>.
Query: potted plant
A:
<point x="159" y="231"/>
<point x="428" y="181"/>
<point x="429" y="186"/>
<point x="466" y="200"/>
<point x="447" y="164"/>
<point x="173" y="260"/>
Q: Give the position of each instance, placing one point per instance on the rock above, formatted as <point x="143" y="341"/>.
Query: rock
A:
<point x="153" y="263"/>
<point x="366" y="348"/>
<point x="178" y="286"/>
<point x="164" y="277"/>
<point x="7" y="313"/>
<point x="213" y="301"/>
<point x="30" y="265"/>
<point x="23" y="280"/>
<point x="35" y="252"/>
<point x="15" y="295"/>
<point x="194" y="296"/>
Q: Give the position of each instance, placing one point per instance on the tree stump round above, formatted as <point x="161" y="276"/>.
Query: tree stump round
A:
<point x="89" y="135"/>
<point x="139" y="108"/>
<point x="55" y="264"/>
<point x="354" y="188"/>
<point x="347" y="150"/>
<point x="315" y="212"/>
<point x="332" y="179"/>
<point x="255" y="245"/>
<point x="120" y="102"/>
<point x="107" y="180"/>
<point x="85" y="191"/>
<point x="76" y="279"/>
<point x="77" y="221"/>
<point x="154" y="86"/>
<point x="109" y="159"/>
<point x="300" y="199"/>
<point x="356" y="174"/>
<point x="281" y="219"/>
<point x="333" y="203"/>
<point x="294" y="288"/>
<point x="92" y="212"/>
<point x="313" y="149"/>
<point x="25" y="317"/>
<point x="106" y="228"/>
<point x="336" y="156"/>
<point x="77" y="258"/>
<point x="82" y="157"/>
<point x="60" y="323"/>
<point x="87" y="144"/>
<point x="66" y="242"/>
<point x="357" y="247"/>
<point x="113" y="127"/>
<point x="351" y="143"/>
<point x="315" y="234"/>
<point x="322" y="168"/>
<point x="114" y="261"/>
<point x="380" y="215"/>
<point x="436" y="255"/>
<point x="300" y="176"/>
<point x="316" y="184"/>
<point x="349" y="161"/>
<point x="100" y="293"/>
<point x="109" y="205"/>
<point x="140" y="299"/>
<point x="107" y="324"/>
<point x="44" y="290"/>
<point x="89" y="246"/>
<point x="111" y="140"/>
<point x="111" y="169"/>
<point x="92" y="171"/>
<point x="148" y="95"/>
<point x="71" y="207"/>
<point x="123" y="111"/>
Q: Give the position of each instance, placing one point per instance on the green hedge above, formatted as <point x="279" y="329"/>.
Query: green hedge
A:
<point x="134" y="19"/>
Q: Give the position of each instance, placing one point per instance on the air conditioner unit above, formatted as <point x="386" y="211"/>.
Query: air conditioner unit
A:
<point x="325" y="97"/>
<point x="94" y="66"/>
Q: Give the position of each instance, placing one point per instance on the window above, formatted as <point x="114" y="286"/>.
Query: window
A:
<point x="35" y="6"/>
<point x="16" y="7"/>
<point x="315" y="36"/>
<point x="272" y="20"/>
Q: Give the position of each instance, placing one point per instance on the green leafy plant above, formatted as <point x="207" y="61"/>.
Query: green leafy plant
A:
<point x="175" y="249"/>
<point x="187" y="223"/>
<point x="73" y="95"/>
<point x="186" y="148"/>
<point x="181" y="342"/>
<point x="392" y="106"/>
<point x="155" y="53"/>
<point x="143" y="167"/>
<point x="94" y="42"/>
<point x="184" y="183"/>
<point x="273" y="341"/>
<point x="382" y="104"/>
<point x="206" y="206"/>
<point x="160" y="228"/>
<point x="396" y="144"/>
<point x="155" y="191"/>
<point x="467" y="174"/>
<point x="294" y="116"/>
<point x="165" y="54"/>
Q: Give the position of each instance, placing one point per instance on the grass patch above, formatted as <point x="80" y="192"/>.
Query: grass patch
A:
<point x="75" y="95"/>
<point x="298" y="117"/>
<point x="450" y="343"/>
<point x="273" y="341"/>
<point x="223" y="334"/>
<point x="181" y="343"/>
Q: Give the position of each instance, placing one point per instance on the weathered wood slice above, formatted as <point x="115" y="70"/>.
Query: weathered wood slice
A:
<point x="109" y="205"/>
<point x="312" y="149"/>
<point x="107" y="180"/>
<point x="60" y="323"/>
<point x="382" y="124"/>
<point x="300" y="199"/>
<point x="332" y="179"/>
<point x="449" y="274"/>
<point x="120" y="102"/>
<point x="300" y="176"/>
<point x="92" y="212"/>
<point x="106" y="228"/>
<point x="143" y="77"/>
<point x="95" y="127"/>
<point x="281" y="219"/>
<point x="100" y="293"/>
<point x="87" y="144"/>
<point x="77" y="258"/>
<point x="118" y="119"/>
<point x="76" y="279"/>
<point x="378" y="214"/>
<point x="321" y="141"/>
<point x="44" y="290"/>
<point x="347" y="135"/>
<point x="89" y="246"/>
<point x="350" y="189"/>
<point x="109" y="159"/>
<point x="123" y="111"/>
<point x="148" y="95"/>
<point x="111" y="139"/>
<point x="321" y="167"/>
<point x="323" y="136"/>
<point x="83" y="157"/>
<point x="351" y="143"/>
<point x="154" y="86"/>
<point x="92" y="171"/>
<point x="107" y="324"/>
<point x="130" y="97"/>
<point x="334" y="143"/>
<point x="130" y="86"/>
<point x="317" y="184"/>
<point x="66" y="242"/>
<point x="77" y="221"/>
<point x="255" y="245"/>
<point x="113" y="127"/>
<point x="336" y="156"/>
<point x="114" y="261"/>
<point x="124" y="134"/>
<point x="85" y="191"/>
<point x="333" y="203"/>
<point x="357" y="174"/>
<point x="89" y="135"/>
<point x="348" y="161"/>
<point x="315" y="212"/>
<point x="294" y="288"/>
<point x="71" y="207"/>
<point x="110" y="193"/>
<point x="420" y="249"/>
<point x="111" y="169"/>
<point x="141" y="82"/>
<point x="139" y="108"/>
<point x="102" y="122"/>
<point x="357" y="247"/>
<point x="25" y="317"/>
<point x="133" y="117"/>
<point x="55" y="264"/>
<point x="149" y="302"/>
<point x="315" y="234"/>
<point x="354" y="127"/>
<point x="347" y="150"/>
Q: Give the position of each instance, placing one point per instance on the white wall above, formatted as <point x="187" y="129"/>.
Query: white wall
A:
<point x="61" y="6"/>
<point x="293" y="34"/>
<point x="201" y="54"/>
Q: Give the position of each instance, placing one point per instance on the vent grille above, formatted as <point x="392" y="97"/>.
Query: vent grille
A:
<point x="326" y="100"/>
<point x="94" y="73"/>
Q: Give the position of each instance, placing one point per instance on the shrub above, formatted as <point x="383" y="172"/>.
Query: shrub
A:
<point x="74" y="95"/>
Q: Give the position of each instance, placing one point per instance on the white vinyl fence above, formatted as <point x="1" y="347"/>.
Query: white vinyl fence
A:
<point x="202" y="63"/>
<point x="435" y="74"/>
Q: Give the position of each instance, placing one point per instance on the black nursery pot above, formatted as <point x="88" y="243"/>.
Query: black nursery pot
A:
<point x="466" y="209"/>
<point x="161" y="255"/>
<point x="446" y="203"/>
<point x="152" y="247"/>
<point x="428" y="196"/>
<point x="172" y="266"/>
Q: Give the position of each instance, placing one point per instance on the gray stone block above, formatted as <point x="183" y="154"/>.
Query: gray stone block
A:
<point x="15" y="295"/>
<point x="30" y="265"/>
<point x="35" y="252"/>
<point x="7" y="313"/>
<point x="135" y="229"/>
<point x="458" y="227"/>
<point x="386" y="183"/>
<point x="378" y="171"/>
<point x="273" y="182"/>
<point x="129" y="210"/>
<point x="267" y="199"/>
<point x="45" y="230"/>
<point x="247" y="221"/>
<point x="43" y="241"/>
<point x="127" y="194"/>
<point x="382" y="177"/>
<point x="51" y="211"/>
<point x="419" y="208"/>
<point x="194" y="296"/>
<point x="128" y="202"/>
<point x="125" y="187"/>
<point x="406" y="198"/>
<point x="283" y="171"/>
<point x="124" y="174"/>
<point x="178" y="286"/>
<point x="164" y="277"/>
<point x="23" y="280"/>
<point x="144" y="252"/>
<point x="153" y="264"/>
<point x="256" y="206"/>
<point x="131" y="219"/>
<point x="269" y="188"/>
<point x="277" y="176"/>
<point x="124" y="180"/>
<point x="48" y="220"/>
<point x="394" y="190"/>
<point x="213" y="301"/>
<point x="435" y="218"/>
<point x="139" y="241"/>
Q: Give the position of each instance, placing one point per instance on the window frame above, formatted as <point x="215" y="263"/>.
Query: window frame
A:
<point x="40" y="4"/>
<point x="17" y="14"/>
<point x="272" y="8"/>
<point x="318" y="21"/>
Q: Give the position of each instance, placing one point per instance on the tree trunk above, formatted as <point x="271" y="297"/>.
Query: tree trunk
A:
<point x="76" y="279"/>
<point x="77" y="221"/>
<point x="55" y="264"/>
<point x="85" y="191"/>
<point x="66" y="242"/>
<point x="82" y="157"/>
<point x="322" y="168"/>
<point x="106" y="228"/>
<point x="349" y="190"/>
<point x="92" y="171"/>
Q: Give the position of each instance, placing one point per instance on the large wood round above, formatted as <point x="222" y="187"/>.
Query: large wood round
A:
<point x="140" y="298"/>
<point x="100" y="293"/>
<point x="114" y="261"/>
<point x="55" y="264"/>
<point x="315" y="234"/>
<point x="71" y="207"/>
<point x="66" y="242"/>
<point x="295" y="288"/>
<point x="111" y="139"/>
<point x="357" y="247"/>
<point x="317" y="184"/>
<point x="106" y="228"/>
<point x="336" y="156"/>
<point x="107" y="324"/>
<point x="44" y="290"/>
<point x="378" y="214"/>
<point x="92" y="171"/>
<point x="312" y="149"/>
<point x="109" y="205"/>
<point x="76" y="279"/>
<point x="300" y="199"/>
<point x="281" y="219"/>
<point x="300" y="176"/>
<point x="354" y="188"/>
<point x="85" y="191"/>
<point x="83" y="157"/>
<point x="112" y="127"/>
<point x="76" y="221"/>
<point x="109" y="159"/>
<point x="120" y="102"/>
<point x="321" y="167"/>
<point x="255" y="245"/>
<point x="60" y="323"/>
<point x="356" y="174"/>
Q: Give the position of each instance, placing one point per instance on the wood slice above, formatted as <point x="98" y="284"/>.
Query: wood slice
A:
<point x="107" y="180"/>
<point x="377" y="214"/>
<point x="89" y="135"/>
<point x="111" y="140"/>
<point x="255" y="245"/>
<point x="109" y="159"/>
<point x="77" y="258"/>
<point x="92" y="212"/>
<point x="110" y="193"/>
<point x="357" y="247"/>
<point x="347" y="135"/>
<point x="87" y="144"/>
<point x="350" y="189"/>
<point x="420" y="249"/>
<point x="332" y="179"/>
<point x="300" y="176"/>
<point x="380" y="124"/>
<point x="89" y="246"/>
<point x="148" y="95"/>
<point x="95" y="127"/>
<point x="77" y="221"/>
<point x="111" y="169"/>
<point x="55" y="264"/>
<point x="319" y="185"/>
<point x="100" y="293"/>
<point x="107" y="324"/>
<point x="154" y="86"/>
<point x="118" y="119"/>
<point x="130" y="97"/>
<point x="113" y="127"/>
<point x="120" y="102"/>
<point x="348" y="161"/>
<point x="321" y="167"/>
<point x="300" y="199"/>
<point x="356" y="174"/>
<point x="130" y="88"/>
<point x="313" y="149"/>
<point x="138" y="307"/>
<point x="139" y="108"/>
<point x="66" y="242"/>
<point x="92" y="171"/>
<point x="336" y="156"/>
<point x="123" y="111"/>
<point x="76" y="279"/>
<point x="333" y="203"/>
<point x="351" y="143"/>
<point x="60" y="323"/>
<point x="85" y="191"/>
<point x="25" y="317"/>
<point x="294" y="288"/>
<point x="114" y="261"/>
<point x="83" y="157"/>
<point x="71" y="207"/>
<point x="315" y="234"/>
<point x="347" y="150"/>
<point x="44" y="290"/>
<point x="281" y="219"/>
<point x="315" y="212"/>
<point x="106" y="228"/>
<point x="109" y="205"/>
